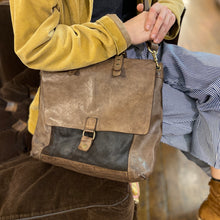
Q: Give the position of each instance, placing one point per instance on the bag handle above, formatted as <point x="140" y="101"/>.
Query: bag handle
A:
<point x="146" y="5"/>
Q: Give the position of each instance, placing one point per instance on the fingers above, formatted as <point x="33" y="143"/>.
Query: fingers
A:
<point x="164" y="28"/>
<point x="152" y="25"/>
<point x="151" y="19"/>
<point x="159" y="20"/>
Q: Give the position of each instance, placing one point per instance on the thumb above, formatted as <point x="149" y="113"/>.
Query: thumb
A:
<point x="140" y="7"/>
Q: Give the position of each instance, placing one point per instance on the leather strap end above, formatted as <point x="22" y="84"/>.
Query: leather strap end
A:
<point x="118" y="64"/>
<point x="85" y="143"/>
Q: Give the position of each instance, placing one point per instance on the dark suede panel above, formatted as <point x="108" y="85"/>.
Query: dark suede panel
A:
<point x="104" y="151"/>
<point x="29" y="187"/>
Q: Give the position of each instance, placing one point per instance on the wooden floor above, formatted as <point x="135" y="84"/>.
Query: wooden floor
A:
<point x="177" y="187"/>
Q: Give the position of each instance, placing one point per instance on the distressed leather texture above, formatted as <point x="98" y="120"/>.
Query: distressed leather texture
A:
<point x="121" y="104"/>
<point x="128" y="104"/>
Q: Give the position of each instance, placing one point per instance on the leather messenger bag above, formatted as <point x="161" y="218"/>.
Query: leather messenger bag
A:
<point x="103" y="120"/>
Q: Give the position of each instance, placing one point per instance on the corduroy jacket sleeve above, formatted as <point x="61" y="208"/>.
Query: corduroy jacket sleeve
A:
<point x="48" y="39"/>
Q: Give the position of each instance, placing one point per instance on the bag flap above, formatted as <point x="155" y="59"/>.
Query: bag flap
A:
<point x="120" y="104"/>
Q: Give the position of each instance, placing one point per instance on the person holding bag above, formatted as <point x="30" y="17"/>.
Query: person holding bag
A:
<point x="66" y="35"/>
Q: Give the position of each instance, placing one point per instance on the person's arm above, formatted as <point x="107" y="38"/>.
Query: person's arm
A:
<point x="43" y="42"/>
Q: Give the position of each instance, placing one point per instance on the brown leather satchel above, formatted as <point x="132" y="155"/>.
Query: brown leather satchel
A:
<point x="103" y="120"/>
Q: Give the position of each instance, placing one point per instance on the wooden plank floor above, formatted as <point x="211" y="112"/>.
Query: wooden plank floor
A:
<point x="177" y="187"/>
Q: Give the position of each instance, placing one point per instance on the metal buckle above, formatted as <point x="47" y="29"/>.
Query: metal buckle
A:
<point x="89" y="131"/>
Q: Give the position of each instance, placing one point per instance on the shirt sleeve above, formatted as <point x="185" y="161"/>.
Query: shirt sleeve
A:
<point x="43" y="41"/>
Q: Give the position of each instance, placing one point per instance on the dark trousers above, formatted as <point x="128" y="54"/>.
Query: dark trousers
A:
<point x="30" y="188"/>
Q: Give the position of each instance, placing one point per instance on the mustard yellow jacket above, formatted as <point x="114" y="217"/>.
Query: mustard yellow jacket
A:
<point x="56" y="35"/>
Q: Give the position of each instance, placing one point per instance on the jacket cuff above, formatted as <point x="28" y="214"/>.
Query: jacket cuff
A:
<point x="116" y="29"/>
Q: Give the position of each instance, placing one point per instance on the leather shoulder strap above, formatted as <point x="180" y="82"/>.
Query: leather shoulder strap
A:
<point x="146" y="5"/>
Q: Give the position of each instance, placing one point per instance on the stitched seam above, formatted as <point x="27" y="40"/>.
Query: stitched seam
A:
<point x="61" y="212"/>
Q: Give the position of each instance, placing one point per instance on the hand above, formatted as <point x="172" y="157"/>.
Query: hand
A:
<point x="159" y="21"/>
<point x="136" y="29"/>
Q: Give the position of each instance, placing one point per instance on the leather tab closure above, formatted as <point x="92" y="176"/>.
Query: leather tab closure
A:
<point x="85" y="143"/>
<point x="90" y="124"/>
<point x="88" y="135"/>
<point x="118" y="64"/>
